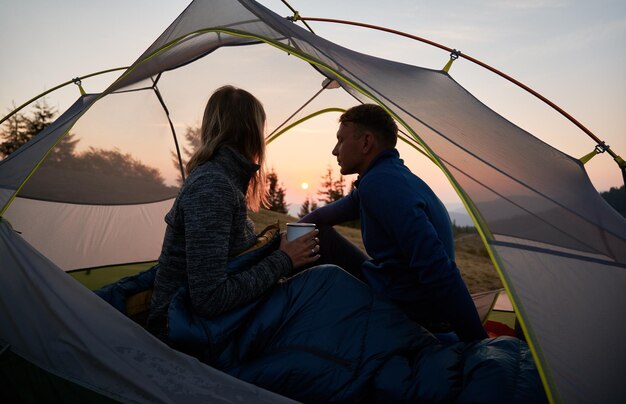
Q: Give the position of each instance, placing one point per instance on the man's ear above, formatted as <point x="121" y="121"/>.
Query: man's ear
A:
<point x="369" y="142"/>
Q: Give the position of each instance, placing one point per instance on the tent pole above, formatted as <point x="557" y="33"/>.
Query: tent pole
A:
<point x="301" y="108"/>
<point x="269" y="139"/>
<point x="620" y="162"/>
<point x="169" y="120"/>
<point x="296" y="15"/>
<point x="16" y="110"/>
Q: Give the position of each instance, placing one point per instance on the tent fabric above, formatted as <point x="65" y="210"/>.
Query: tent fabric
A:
<point x="86" y="236"/>
<point x="484" y="301"/>
<point x="69" y="331"/>
<point x="542" y="274"/>
<point x="534" y="204"/>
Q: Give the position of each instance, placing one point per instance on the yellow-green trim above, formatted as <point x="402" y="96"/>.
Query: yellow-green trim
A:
<point x="408" y="141"/>
<point x="448" y="65"/>
<point x="534" y="350"/>
<point x="41" y="160"/>
<point x="493" y="257"/>
<point x="493" y="304"/>
<point x="584" y="159"/>
<point x="16" y="110"/>
<point x="299" y="121"/>
<point x="36" y="167"/>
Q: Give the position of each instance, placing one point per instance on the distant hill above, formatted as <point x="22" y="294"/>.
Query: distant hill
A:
<point x="460" y="217"/>
<point x="471" y="255"/>
<point x="616" y="197"/>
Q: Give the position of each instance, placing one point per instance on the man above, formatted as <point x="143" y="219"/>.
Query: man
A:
<point x="406" y="229"/>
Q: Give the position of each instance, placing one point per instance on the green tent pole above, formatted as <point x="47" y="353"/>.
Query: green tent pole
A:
<point x="74" y="80"/>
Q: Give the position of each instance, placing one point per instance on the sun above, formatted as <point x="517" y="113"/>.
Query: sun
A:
<point x="304" y="185"/>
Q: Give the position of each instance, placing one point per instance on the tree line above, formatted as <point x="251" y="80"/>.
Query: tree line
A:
<point x="331" y="189"/>
<point x="616" y="197"/>
<point x="20" y="128"/>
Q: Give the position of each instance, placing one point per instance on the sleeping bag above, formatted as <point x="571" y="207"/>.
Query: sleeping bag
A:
<point x="322" y="336"/>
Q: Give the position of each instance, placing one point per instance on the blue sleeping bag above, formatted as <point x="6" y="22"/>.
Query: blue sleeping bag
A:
<point x="323" y="337"/>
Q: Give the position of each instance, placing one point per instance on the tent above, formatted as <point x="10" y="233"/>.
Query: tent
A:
<point x="559" y="248"/>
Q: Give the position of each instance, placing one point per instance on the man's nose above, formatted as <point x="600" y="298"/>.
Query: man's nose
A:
<point x="334" y="152"/>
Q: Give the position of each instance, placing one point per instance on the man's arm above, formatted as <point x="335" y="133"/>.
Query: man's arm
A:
<point x="340" y="211"/>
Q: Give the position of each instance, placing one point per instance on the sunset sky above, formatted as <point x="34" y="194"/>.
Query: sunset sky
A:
<point x="569" y="51"/>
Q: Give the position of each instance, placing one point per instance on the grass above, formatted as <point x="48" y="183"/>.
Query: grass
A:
<point x="471" y="257"/>
<point x="95" y="278"/>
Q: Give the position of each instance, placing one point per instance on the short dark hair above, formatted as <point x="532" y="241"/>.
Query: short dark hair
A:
<point x="374" y="118"/>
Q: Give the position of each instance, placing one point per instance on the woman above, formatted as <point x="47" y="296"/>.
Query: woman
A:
<point x="208" y="223"/>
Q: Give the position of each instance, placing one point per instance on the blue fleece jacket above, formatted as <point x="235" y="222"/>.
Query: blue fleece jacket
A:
<point x="408" y="235"/>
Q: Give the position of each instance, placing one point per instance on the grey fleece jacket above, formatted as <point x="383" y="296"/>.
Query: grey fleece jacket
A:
<point x="207" y="225"/>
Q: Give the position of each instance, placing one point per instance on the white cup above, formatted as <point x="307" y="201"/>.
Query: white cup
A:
<point x="295" y="230"/>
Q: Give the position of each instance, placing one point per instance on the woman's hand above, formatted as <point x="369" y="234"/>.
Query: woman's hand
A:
<point x="303" y="250"/>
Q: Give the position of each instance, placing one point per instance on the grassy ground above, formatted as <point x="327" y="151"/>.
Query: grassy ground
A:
<point x="471" y="255"/>
<point x="98" y="277"/>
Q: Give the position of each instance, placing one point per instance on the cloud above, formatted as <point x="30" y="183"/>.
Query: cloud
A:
<point x="461" y="33"/>
<point x="529" y="4"/>
<point x="585" y="37"/>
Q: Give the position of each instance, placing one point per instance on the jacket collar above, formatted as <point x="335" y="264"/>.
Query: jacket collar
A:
<point x="236" y="166"/>
<point x="382" y="156"/>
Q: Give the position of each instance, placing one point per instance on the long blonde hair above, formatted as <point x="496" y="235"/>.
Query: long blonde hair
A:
<point x="236" y="118"/>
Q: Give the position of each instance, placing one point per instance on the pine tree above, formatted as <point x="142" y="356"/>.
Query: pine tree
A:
<point x="41" y="117"/>
<point x="275" y="194"/>
<point x="338" y="187"/>
<point x="14" y="135"/>
<point x="22" y="128"/>
<point x="331" y="189"/>
<point x="187" y="148"/>
<point x="307" y="207"/>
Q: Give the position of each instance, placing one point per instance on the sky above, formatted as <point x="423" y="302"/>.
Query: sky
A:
<point x="569" y="51"/>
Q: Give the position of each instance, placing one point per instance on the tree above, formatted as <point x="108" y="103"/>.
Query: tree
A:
<point x="276" y="194"/>
<point x="307" y="207"/>
<point x="15" y="135"/>
<point x="352" y="186"/>
<point x="616" y="197"/>
<point x="114" y="163"/>
<point x="188" y="147"/>
<point x="331" y="189"/>
<point x="66" y="174"/>
<point x="22" y="128"/>
<point x="42" y="116"/>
